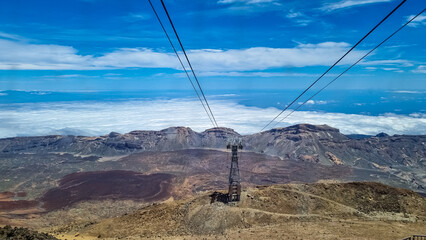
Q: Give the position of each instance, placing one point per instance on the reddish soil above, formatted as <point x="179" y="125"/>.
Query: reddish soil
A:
<point x="17" y="205"/>
<point x="7" y="203"/>
<point x="21" y="194"/>
<point x="117" y="184"/>
<point x="6" y="196"/>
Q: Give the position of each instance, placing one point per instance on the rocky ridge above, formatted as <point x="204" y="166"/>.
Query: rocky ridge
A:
<point x="303" y="142"/>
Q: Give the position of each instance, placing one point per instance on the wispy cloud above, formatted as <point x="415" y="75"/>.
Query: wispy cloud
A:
<point x="420" y="69"/>
<point x="98" y="118"/>
<point x="398" y="70"/>
<point x="371" y="68"/>
<point x="68" y="76"/>
<point x="135" y="17"/>
<point x="391" y="62"/>
<point x="332" y="6"/>
<point x="409" y="92"/>
<point x="419" y="21"/>
<point x="250" y="6"/>
<point x="299" y="18"/>
<point x="11" y="36"/>
<point x="19" y="55"/>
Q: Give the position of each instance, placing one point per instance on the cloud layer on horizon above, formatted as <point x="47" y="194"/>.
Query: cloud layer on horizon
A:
<point x="99" y="118"/>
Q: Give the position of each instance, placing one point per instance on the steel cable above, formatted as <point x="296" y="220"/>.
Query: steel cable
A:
<point x="183" y="66"/>
<point x="399" y="29"/>
<point x="187" y="59"/>
<point x="362" y="39"/>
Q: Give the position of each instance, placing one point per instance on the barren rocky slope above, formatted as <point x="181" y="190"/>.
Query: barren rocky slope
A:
<point x="275" y="211"/>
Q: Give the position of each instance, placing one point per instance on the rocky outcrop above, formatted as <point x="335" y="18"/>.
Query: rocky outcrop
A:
<point x="8" y="232"/>
<point x="298" y="142"/>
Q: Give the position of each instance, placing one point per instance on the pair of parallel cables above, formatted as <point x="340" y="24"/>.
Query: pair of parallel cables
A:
<point x="204" y="103"/>
<point x="381" y="43"/>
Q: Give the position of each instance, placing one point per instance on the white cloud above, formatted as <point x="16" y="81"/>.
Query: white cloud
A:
<point x="101" y="118"/>
<point x="312" y="102"/>
<point x="420" y="69"/>
<point x="419" y="21"/>
<point x="371" y="68"/>
<point x="349" y="3"/>
<point x="261" y="58"/>
<point x="136" y="57"/>
<point x="19" y="55"/>
<point x="251" y="74"/>
<point x="393" y="69"/>
<point x="392" y="62"/>
<point x="409" y="92"/>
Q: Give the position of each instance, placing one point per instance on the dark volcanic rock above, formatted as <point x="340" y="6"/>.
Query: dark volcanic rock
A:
<point x="8" y="232"/>
<point x="358" y="136"/>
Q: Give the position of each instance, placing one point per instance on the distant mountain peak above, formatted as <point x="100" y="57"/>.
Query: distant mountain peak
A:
<point x="313" y="128"/>
<point x="305" y="127"/>
<point x="222" y="130"/>
<point x="382" y="134"/>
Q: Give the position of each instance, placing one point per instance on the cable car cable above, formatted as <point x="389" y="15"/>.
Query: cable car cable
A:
<point x="362" y="39"/>
<point x="328" y="84"/>
<point x="181" y="63"/>
<point x="187" y="59"/>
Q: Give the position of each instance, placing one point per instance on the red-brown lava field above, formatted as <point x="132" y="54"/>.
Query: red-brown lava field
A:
<point x="117" y="185"/>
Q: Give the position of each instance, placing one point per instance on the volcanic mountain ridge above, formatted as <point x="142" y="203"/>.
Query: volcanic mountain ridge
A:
<point x="303" y="142"/>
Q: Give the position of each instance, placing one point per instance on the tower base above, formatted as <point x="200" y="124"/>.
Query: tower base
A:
<point x="234" y="193"/>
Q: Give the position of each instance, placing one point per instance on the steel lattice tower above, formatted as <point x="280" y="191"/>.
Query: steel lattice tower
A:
<point x="234" y="174"/>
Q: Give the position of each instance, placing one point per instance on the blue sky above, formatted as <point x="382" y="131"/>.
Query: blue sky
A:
<point x="252" y="58"/>
<point x="91" y="45"/>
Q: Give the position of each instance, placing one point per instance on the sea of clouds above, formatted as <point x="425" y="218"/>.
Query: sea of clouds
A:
<point x="100" y="118"/>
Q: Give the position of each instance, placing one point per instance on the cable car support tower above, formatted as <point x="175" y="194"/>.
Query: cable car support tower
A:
<point x="234" y="173"/>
